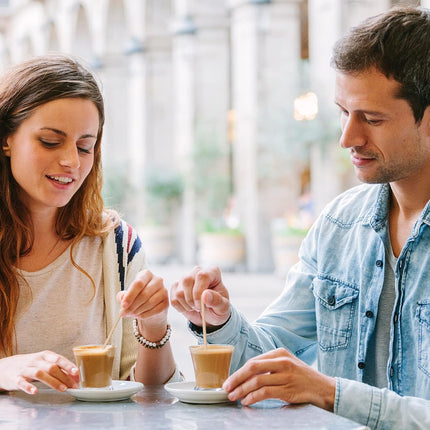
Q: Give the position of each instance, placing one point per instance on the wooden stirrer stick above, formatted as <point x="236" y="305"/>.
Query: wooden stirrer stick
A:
<point x="205" y="343"/>
<point x="112" y="329"/>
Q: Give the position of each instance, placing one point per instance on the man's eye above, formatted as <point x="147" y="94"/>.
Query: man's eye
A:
<point x="373" y="121"/>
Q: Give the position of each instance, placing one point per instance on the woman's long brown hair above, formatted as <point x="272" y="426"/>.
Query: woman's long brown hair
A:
<point x="22" y="89"/>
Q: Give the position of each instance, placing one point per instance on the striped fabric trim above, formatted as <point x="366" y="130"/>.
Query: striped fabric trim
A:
<point x="119" y="233"/>
<point x="129" y="242"/>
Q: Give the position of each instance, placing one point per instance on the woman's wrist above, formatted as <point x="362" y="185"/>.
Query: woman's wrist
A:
<point x="153" y="331"/>
<point x="152" y="342"/>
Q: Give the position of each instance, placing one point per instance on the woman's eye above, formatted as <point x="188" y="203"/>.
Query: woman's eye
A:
<point x="48" y="144"/>
<point x="84" y="150"/>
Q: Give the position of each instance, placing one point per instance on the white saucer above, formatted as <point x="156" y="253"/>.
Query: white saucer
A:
<point x="186" y="393"/>
<point x="120" y="390"/>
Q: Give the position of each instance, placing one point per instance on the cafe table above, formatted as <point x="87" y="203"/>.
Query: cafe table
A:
<point x="154" y="408"/>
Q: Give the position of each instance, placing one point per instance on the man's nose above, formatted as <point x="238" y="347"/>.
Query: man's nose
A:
<point x="352" y="133"/>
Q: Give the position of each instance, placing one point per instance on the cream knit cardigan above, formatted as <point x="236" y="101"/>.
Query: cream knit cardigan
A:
<point x="123" y="258"/>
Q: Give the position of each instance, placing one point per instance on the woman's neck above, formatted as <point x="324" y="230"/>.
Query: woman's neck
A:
<point x="47" y="245"/>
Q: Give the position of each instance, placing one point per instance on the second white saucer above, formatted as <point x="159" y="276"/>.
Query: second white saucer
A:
<point x="186" y="393"/>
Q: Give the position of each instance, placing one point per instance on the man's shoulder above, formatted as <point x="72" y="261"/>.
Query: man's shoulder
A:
<point x="354" y="204"/>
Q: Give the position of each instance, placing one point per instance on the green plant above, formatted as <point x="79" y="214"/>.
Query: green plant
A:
<point x="117" y="188"/>
<point x="210" y="225"/>
<point x="210" y="179"/>
<point x="163" y="190"/>
<point x="291" y="226"/>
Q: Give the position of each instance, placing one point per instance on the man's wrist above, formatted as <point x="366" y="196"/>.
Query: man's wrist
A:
<point x="328" y="394"/>
<point x="198" y="330"/>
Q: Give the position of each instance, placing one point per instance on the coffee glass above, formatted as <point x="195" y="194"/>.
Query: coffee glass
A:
<point x="211" y="365"/>
<point x="95" y="365"/>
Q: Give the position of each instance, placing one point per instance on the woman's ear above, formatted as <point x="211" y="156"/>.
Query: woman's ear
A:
<point x="6" y="149"/>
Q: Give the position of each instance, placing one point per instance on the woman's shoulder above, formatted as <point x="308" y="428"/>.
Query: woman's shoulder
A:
<point x="123" y="249"/>
<point x="124" y="228"/>
<point x="126" y="238"/>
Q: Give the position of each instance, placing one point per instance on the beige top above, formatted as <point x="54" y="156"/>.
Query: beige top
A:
<point x="44" y="318"/>
<point x="48" y="307"/>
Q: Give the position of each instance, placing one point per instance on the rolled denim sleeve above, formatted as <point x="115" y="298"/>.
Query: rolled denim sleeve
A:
<point x="272" y="330"/>
<point x="380" y="409"/>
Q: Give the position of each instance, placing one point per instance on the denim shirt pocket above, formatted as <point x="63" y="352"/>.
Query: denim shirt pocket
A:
<point x="423" y="316"/>
<point x="335" y="307"/>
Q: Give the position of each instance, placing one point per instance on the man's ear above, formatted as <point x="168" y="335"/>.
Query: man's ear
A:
<point x="6" y="149"/>
<point x="426" y="120"/>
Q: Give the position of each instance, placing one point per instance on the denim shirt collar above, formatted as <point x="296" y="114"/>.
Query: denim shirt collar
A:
<point x="378" y="213"/>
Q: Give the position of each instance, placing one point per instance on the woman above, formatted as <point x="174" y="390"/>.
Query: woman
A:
<point x="68" y="265"/>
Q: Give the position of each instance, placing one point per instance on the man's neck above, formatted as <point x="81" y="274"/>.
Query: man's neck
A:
<point x="405" y="208"/>
<point x="409" y="200"/>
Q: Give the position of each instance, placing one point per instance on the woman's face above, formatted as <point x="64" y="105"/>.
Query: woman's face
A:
<point x="52" y="151"/>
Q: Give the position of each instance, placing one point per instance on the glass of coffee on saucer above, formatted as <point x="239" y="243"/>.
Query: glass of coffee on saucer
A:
<point x="211" y="365"/>
<point x="95" y="365"/>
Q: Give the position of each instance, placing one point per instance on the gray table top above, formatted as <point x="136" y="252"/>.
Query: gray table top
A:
<point x="154" y="408"/>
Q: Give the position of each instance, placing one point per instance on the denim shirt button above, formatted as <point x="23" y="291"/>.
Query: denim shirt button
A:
<point x="369" y="314"/>
<point x="331" y="300"/>
<point x="361" y="365"/>
<point x="396" y="318"/>
<point x="379" y="263"/>
<point x="391" y="371"/>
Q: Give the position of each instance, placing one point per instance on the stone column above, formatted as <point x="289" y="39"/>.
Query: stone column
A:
<point x="123" y="75"/>
<point x="184" y="109"/>
<point x="159" y="135"/>
<point x="27" y="32"/>
<point x="265" y="43"/>
<point x="201" y="95"/>
<point x="97" y="20"/>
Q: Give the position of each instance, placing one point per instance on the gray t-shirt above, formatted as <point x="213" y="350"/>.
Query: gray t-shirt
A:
<point x="375" y="372"/>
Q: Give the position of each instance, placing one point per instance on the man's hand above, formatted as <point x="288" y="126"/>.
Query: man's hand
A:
<point x="280" y="375"/>
<point x="202" y="285"/>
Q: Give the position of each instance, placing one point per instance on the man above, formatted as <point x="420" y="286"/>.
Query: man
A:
<point x="359" y="299"/>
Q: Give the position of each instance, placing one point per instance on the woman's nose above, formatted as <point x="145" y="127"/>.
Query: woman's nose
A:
<point x="69" y="157"/>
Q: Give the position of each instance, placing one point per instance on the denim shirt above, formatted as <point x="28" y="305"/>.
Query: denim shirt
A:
<point x="323" y="311"/>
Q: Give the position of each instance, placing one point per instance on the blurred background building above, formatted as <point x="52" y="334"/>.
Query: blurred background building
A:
<point x="220" y="142"/>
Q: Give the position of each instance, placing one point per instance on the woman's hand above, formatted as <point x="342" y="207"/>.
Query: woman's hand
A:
<point x="280" y="375"/>
<point x="202" y="285"/>
<point x="146" y="299"/>
<point x="18" y="371"/>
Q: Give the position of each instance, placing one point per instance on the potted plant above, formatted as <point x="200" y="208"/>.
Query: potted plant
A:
<point x="118" y="191"/>
<point x="220" y="240"/>
<point x="221" y="245"/>
<point x="287" y="236"/>
<point x="163" y="187"/>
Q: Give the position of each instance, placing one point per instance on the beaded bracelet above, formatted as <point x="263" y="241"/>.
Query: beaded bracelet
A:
<point x="147" y="343"/>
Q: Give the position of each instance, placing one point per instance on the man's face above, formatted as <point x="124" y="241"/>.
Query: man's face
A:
<point x="385" y="142"/>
